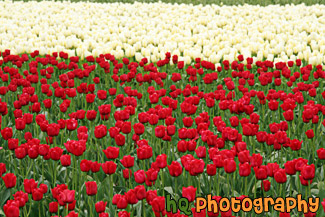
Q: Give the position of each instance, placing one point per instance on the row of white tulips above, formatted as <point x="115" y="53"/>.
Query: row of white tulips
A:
<point x="212" y="32"/>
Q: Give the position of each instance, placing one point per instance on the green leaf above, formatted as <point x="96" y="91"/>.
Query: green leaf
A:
<point x="314" y="191"/>
<point x="169" y="190"/>
<point x="236" y="194"/>
<point x="4" y="196"/>
<point x="320" y="185"/>
<point x="322" y="194"/>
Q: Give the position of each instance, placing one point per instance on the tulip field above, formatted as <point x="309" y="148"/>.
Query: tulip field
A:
<point x="108" y="117"/>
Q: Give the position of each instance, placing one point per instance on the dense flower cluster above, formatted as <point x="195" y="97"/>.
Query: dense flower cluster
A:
<point x="211" y="32"/>
<point x="105" y="136"/>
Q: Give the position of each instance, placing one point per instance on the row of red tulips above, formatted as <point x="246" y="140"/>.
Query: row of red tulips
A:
<point x="104" y="134"/>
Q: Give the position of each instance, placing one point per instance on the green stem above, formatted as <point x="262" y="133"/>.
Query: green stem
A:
<point x="111" y="186"/>
<point x="199" y="185"/>
<point x="176" y="196"/>
<point x="162" y="182"/>
<point x="143" y="208"/>
<point x="74" y="173"/>
<point x="228" y="184"/>
<point x="55" y="171"/>
<point x="43" y="170"/>
<point x="246" y="193"/>
<point x="34" y="169"/>
<point x="89" y="202"/>
<point x="217" y="182"/>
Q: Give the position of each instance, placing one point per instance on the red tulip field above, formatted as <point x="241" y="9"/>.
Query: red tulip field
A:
<point x="108" y="137"/>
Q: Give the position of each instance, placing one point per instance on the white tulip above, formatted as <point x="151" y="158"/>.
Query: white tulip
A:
<point x="138" y="57"/>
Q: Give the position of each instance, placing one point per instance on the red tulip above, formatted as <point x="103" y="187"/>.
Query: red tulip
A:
<point x="43" y="188"/>
<point x="158" y="204"/>
<point x="160" y="131"/>
<point x="243" y="156"/>
<point x="67" y="196"/>
<point x="111" y="152"/>
<point x="72" y="124"/>
<point x="29" y="185"/>
<point x="161" y="161"/>
<point x="295" y="144"/>
<point x="202" y="213"/>
<point x="13" y="144"/>
<point x="120" y="139"/>
<point x="91" y="115"/>
<point x="320" y="154"/>
<point x="131" y="197"/>
<point x="109" y="167"/>
<point x="53" y="207"/>
<point x="256" y="160"/>
<point x="234" y="121"/>
<point x="266" y="185"/>
<point x="126" y="127"/>
<point x="211" y="169"/>
<point x="284" y="214"/>
<point x="310" y="133"/>
<point x="138" y="128"/>
<point x="100" y="131"/>
<point x="53" y="130"/>
<point x="122" y="202"/>
<point x="72" y="214"/>
<point x="47" y="103"/>
<point x="85" y="165"/>
<point x="144" y="152"/>
<point x="308" y="172"/>
<point x="305" y="182"/>
<point x="2" y="168"/>
<point x="112" y="91"/>
<point x="139" y="176"/>
<point x="127" y="161"/>
<point x="201" y="152"/>
<point x="127" y="173"/>
<point x="196" y="167"/>
<point x="10" y="180"/>
<point x="280" y="176"/>
<point x="290" y="167"/>
<point x="102" y="94"/>
<point x="113" y="131"/>
<point x="229" y="165"/>
<point x="65" y="160"/>
<point x="100" y="206"/>
<point x="244" y="169"/>
<point x="152" y="175"/>
<point x="140" y="192"/>
<point x="95" y="167"/>
<point x="260" y="172"/>
<point x="6" y="133"/>
<point x="20" y="124"/>
<point x="55" y="153"/>
<point x="273" y="105"/>
<point x="123" y="214"/>
<point x="91" y="188"/>
<point x="288" y="115"/>
<point x="11" y="208"/>
<point x="37" y="194"/>
<point x="189" y="193"/>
